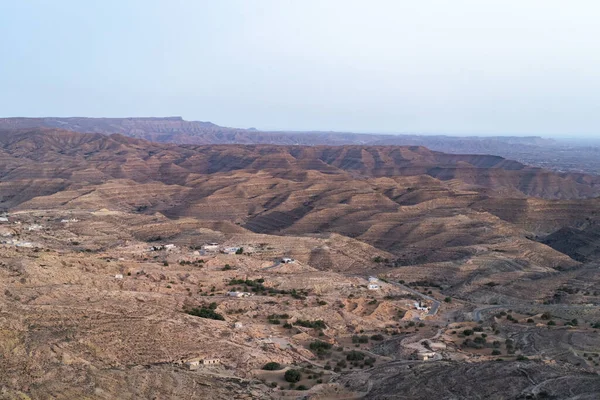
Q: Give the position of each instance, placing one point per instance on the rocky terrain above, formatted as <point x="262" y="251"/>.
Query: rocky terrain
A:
<point x="336" y="272"/>
<point x="558" y="155"/>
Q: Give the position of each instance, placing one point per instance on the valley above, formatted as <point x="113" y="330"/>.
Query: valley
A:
<point x="136" y="269"/>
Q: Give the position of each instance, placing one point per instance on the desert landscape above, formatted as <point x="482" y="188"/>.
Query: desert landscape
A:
<point x="149" y="269"/>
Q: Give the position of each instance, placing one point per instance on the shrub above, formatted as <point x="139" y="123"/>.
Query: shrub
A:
<point x="551" y="323"/>
<point x="355" y="356"/>
<point x="319" y="346"/>
<point x="205" y="313"/>
<point x="311" y="324"/>
<point x="377" y="337"/>
<point x="301" y="387"/>
<point x="479" y="340"/>
<point x="467" y="332"/>
<point x="496" y="352"/>
<point x="448" y="299"/>
<point x="292" y="375"/>
<point x="240" y="251"/>
<point x="272" y="366"/>
<point x="546" y="315"/>
<point x="360" y="339"/>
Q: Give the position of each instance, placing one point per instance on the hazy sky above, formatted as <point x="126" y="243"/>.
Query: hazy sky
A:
<point x="456" y="66"/>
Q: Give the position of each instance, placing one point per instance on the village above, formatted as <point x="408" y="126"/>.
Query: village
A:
<point x="267" y="309"/>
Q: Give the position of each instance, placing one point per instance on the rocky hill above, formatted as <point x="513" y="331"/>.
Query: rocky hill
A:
<point x="107" y="286"/>
<point x="559" y="156"/>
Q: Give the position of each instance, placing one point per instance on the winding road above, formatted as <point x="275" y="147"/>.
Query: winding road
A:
<point x="436" y="304"/>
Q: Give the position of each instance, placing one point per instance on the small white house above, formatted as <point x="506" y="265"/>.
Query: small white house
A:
<point x="231" y="250"/>
<point x="211" y="247"/>
<point x="195" y="363"/>
<point x="3" y="219"/>
<point x="170" y="246"/>
<point x="373" y="286"/>
<point x="119" y="276"/>
<point x="372" y="279"/>
<point x="238" y="325"/>
<point x="287" y="260"/>
<point x="239" y="294"/>
<point x="426" y="355"/>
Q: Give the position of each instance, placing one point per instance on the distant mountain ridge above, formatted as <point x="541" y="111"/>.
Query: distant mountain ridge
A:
<point x="178" y="130"/>
<point x="531" y="150"/>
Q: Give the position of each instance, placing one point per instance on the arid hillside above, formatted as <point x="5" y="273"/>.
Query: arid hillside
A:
<point x="556" y="155"/>
<point x="367" y="270"/>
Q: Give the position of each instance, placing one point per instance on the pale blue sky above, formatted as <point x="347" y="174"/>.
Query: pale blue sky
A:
<point x="455" y="66"/>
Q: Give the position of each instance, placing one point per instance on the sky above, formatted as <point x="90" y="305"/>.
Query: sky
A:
<point x="463" y="67"/>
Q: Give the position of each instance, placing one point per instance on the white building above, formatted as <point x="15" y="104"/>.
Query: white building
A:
<point x="426" y="355"/>
<point x="239" y="294"/>
<point x="195" y="363"/>
<point x="3" y="219"/>
<point x="373" y="286"/>
<point x="372" y="279"/>
<point x="230" y="250"/>
<point x="169" y="246"/>
<point x="211" y="247"/>
<point x="119" y="276"/>
<point x="238" y="325"/>
<point x="287" y="260"/>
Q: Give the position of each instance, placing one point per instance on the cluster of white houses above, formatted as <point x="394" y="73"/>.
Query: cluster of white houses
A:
<point x="215" y="248"/>
<point x="373" y="283"/>
<point x="195" y="363"/>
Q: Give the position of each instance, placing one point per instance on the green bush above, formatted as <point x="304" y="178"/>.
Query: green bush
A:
<point x="318" y="345"/>
<point x="360" y="339"/>
<point x="272" y="366"/>
<point x="205" y="313"/>
<point x="318" y="324"/>
<point x="355" y="356"/>
<point x="292" y="375"/>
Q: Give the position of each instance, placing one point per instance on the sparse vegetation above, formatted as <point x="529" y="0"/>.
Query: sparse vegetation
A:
<point x="272" y="366"/>
<point x="292" y="375"/>
<point x="205" y="313"/>
<point x="318" y="324"/>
